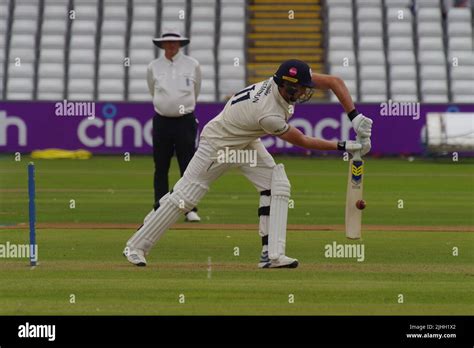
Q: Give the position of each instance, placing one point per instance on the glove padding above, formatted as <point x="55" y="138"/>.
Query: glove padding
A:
<point x="352" y="146"/>
<point x="362" y="126"/>
<point x="366" y="146"/>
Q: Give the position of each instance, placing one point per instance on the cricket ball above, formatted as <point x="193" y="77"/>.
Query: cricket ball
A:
<point x="360" y="204"/>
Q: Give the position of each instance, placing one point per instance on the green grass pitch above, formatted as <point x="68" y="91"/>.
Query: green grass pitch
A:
<point x="195" y="272"/>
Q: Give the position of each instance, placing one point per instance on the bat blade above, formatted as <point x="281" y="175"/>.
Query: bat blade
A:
<point x="354" y="193"/>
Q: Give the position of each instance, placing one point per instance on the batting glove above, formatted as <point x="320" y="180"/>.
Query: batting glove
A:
<point x="366" y="146"/>
<point x="349" y="146"/>
<point x="362" y="126"/>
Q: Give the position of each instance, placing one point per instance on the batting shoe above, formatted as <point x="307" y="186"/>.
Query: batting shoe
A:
<point x="192" y="216"/>
<point x="264" y="259"/>
<point x="282" y="262"/>
<point x="135" y="256"/>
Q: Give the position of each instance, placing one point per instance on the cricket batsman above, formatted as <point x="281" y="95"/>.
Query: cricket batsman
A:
<point x="260" y="109"/>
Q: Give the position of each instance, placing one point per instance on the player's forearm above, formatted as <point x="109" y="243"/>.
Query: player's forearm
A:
<point x="311" y="143"/>
<point x="337" y="86"/>
<point x="342" y="93"/>
<point x="294" y="136"/>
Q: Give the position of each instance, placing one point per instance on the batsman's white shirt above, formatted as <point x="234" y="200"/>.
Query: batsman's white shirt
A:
<point x="250" y="114"/>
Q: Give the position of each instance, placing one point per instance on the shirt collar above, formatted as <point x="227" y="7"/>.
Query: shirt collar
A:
<point x="174" y="58"/>
<point x="278" y="96"/>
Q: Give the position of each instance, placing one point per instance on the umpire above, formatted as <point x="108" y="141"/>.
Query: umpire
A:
<point x="174" y="81"/>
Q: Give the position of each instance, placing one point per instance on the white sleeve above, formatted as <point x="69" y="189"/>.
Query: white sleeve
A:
<point x="274" y="125"/>
<point x="197" y="85"/>
<point x="150" y="80"/>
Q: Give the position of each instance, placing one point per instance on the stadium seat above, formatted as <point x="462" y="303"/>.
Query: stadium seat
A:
<point x="336" y="3"/>
<point x="373" y="98"/>
<point x="340" y="28"/>
<point x="111" y="70"/>
<point x="233" y="28"/>
<point x="459" y="43"/>
<point x="404" y="97"/>
<point x="49" y="88"/>
<point x="176" y="24"/>
<point x="463" y="29"/>
<point x="232" y="24"/>
<point x="344" y="72"/>
<point x="429" y="15"/>
<point x="431" y="58"/>
<point x="370" y="29"/>
<point x="426" y="3"/>
<point x="462" y="98"/>
<point x="462" y="73"/>
<point x="336" y="13"/>
<point x="433" y="72"/>
<point x="370" y="43"/>
<point x="459" y="15"/>
<point x="462" y="58"/>
<point x="372" y="72"/>
<point x="404" y="87"/>
<point x="399" y="29"/>
<point x="400" y="43"/>
<point x="401" y="58"/>
<point x="230" y="42"/>
<point x="372" y="57"/>
<point x="430" y="43"/>
<point x="21" y="71"/>
<point x="429" y="29"/>
<point x="373" y="87"/>
<point x="229" y="12"/>
<point x="463" y="87"/>
<point x="434" y="87"/>
<point x="208" y="88"/>
<point x="402" y="72"/>
<point x="341" y="43"/>
<point x="341" y="58"/>
<point x="399" y="14"/>
<point x="19" y="88"/>
<point x="368" y="4"/>
<point x="369" y="14"/>
<point x="52" y="55"/>
<point x="399" y="3"/>
<point x="435" y="98"/>
<point x="230" y="72"/>
<point x="141" y="48"/>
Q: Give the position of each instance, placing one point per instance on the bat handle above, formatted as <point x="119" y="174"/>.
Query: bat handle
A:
<point x="356" y="155"/>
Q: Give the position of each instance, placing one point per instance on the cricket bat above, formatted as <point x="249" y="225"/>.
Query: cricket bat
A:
<point x="354" y="194"/>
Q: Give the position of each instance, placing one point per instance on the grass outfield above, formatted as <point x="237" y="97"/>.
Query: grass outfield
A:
<point x="88" y="263"/>
<point x="108" y="189"/>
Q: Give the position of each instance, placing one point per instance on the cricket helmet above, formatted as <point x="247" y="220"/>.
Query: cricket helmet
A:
<point x="293" y="73"/>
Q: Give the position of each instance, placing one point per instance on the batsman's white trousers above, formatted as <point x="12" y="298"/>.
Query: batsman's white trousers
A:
<point x="204" y="168"/>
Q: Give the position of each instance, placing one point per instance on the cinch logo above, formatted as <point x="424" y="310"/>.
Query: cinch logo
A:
<point x="12" y="121"/>
<point x="98" y="132"/>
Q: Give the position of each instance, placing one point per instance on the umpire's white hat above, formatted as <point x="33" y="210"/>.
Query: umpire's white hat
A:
<point x="170" y="35"/>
